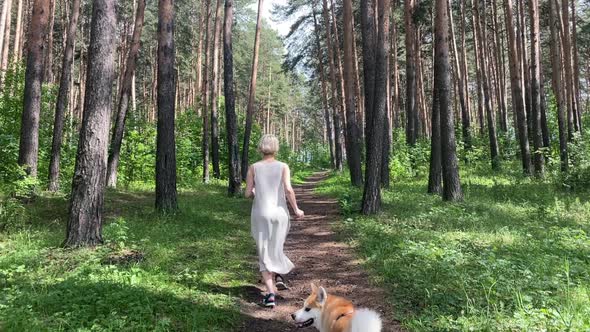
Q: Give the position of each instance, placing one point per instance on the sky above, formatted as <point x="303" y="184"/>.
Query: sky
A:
<point x="281" y="27"/>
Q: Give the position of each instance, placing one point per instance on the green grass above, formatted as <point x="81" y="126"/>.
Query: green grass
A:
<point x="515" y="256"/>
<point x="196" y="265"/>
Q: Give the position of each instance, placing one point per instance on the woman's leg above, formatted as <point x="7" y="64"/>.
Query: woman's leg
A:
<point x="268" y="278"/>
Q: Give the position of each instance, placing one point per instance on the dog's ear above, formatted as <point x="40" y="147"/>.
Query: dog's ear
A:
<point x="322" y="296"/>
<point x="314" y="288"/>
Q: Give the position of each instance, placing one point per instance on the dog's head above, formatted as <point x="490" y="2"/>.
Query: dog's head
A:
<point x="312" y="308"/>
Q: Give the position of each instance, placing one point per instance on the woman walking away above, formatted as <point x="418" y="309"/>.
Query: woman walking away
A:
<point x="269" y="182"/>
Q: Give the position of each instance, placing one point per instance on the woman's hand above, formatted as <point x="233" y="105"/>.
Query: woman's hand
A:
<point x="299" y="213"/>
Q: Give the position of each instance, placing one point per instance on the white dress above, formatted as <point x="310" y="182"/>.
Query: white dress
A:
<point x="270" y="217"/>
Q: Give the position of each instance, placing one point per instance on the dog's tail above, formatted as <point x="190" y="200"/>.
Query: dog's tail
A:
<point x="365" y="320"/>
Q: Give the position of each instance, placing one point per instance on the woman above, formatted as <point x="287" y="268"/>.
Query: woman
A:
<point x="269" y="181"/>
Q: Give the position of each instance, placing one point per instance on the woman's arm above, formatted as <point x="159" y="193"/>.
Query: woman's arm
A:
<point x="250" y="182"/>
<point x="289" y="192"/>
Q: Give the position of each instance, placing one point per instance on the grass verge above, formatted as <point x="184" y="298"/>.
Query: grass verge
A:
<point x="179" y="272"/>
<point x="515" y="256"/>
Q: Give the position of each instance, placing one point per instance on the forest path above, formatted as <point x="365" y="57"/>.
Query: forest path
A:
<point x="318" y="257"/>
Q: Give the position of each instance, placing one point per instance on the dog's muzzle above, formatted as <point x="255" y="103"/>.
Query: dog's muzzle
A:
<point x="307" y="323"/>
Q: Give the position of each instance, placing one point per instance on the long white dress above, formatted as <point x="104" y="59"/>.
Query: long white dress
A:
<point x="270" y="217"/>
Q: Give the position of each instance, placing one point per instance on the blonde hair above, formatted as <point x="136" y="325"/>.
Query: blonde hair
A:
<point x="268" y="145"/>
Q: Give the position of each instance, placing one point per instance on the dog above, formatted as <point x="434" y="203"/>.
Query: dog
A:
<point x="330" y="313"/>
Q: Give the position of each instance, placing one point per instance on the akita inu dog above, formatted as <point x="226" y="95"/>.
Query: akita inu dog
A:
<point x="330" y="313"/>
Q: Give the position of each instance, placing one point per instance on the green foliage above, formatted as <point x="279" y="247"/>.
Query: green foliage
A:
<point x="578" y="177"/>
<point x="156" y="273"/>
<point x="512" y="257"/>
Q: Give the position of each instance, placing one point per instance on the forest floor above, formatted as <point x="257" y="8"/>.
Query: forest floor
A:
<point x="319" y="257"/>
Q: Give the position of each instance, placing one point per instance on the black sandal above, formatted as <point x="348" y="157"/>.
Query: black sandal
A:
<point x="269" y="301"/>
<point x="280" y="282"/>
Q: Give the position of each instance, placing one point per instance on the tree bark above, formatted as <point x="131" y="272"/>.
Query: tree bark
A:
<point x="206" y="94"/>
<point x="461" y="75"/>
<point x="215" y="75"/>
<point x="524" y="61"/>
<point x="48" y="74"/>
<point x="411" y="109"/>
<point x="252" y="93"/>
<point x="4" y="64"/>
<point x="516" y="86"/>
<point x="451" y="182"/>
<point x="19" y="30"/>
<point x="124" y="95"/>
<point x="372" y="191"/>
<point x="539" y="159"/>
<point x="231" y="125"/>
<point x="569" y="76"/>
<point x="353" y="143"/>
<point x="29" y="135"/>
<point x="202" y="27"/>
<point x="500" y="71"/>
<point x="336" y="103"/>
<point x="327" y="115"/>
<point x="3" y="17"/>
<point x="62" y="98"/>
<point x="88" y="185"/>
<point x="556" y="65"/>
<point x="576" y="65"/>
<point x="166" y="200"/>
<point x="483" y="58"/>
<point x="478" y="71"/>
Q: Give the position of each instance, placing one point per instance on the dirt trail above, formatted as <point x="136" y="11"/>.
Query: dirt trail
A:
<point x="318" y="257"/>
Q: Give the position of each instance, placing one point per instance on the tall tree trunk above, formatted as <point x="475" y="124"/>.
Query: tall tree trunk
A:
<point x="48" y="74"/>
<point x="483" y="56"/>
<point x="206" y="94"/>
<point x="544" y="124"/>
<point x="62" y="98"/>
<point x="557" y="85"/>
<point x="353" y="142"/>
<point x="478" y="70"/>
<point x="124" y="95"/>
<point x="575" y="64"/>
<point x="435" y="172"/>
<point x="19" y="31"/>
<point x="88" y="185"/>
<point x="524" y="61"/>
<point x="465" y="119"/>
<point x="252" y="93"/>
<point x="360" y="103"/>
<point x="166" y="145"/>
<point x="3" y="17"/>
<point x="336" y="103"/>
<point x="327" y="115"/>
<point x="376" y="136"/>
<point x="395" y="97"/>
<point x="202" y="27"/>
<point x="451" y="182"/>
<point x="339" y="78"/>
<point x="231" y="122"/>
<point x="4" y="64"/>
<point x="539" y="159"/>
<point x="215" y="75"/>
<point x="29" y="134"/>
<point x="516" y="86"/>
<point x="569" y="76"/>
<point x="500" y="77"/>
<point x="411" y="109"/>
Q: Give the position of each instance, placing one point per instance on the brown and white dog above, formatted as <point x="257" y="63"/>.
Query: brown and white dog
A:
<point x="330" y="313"/>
